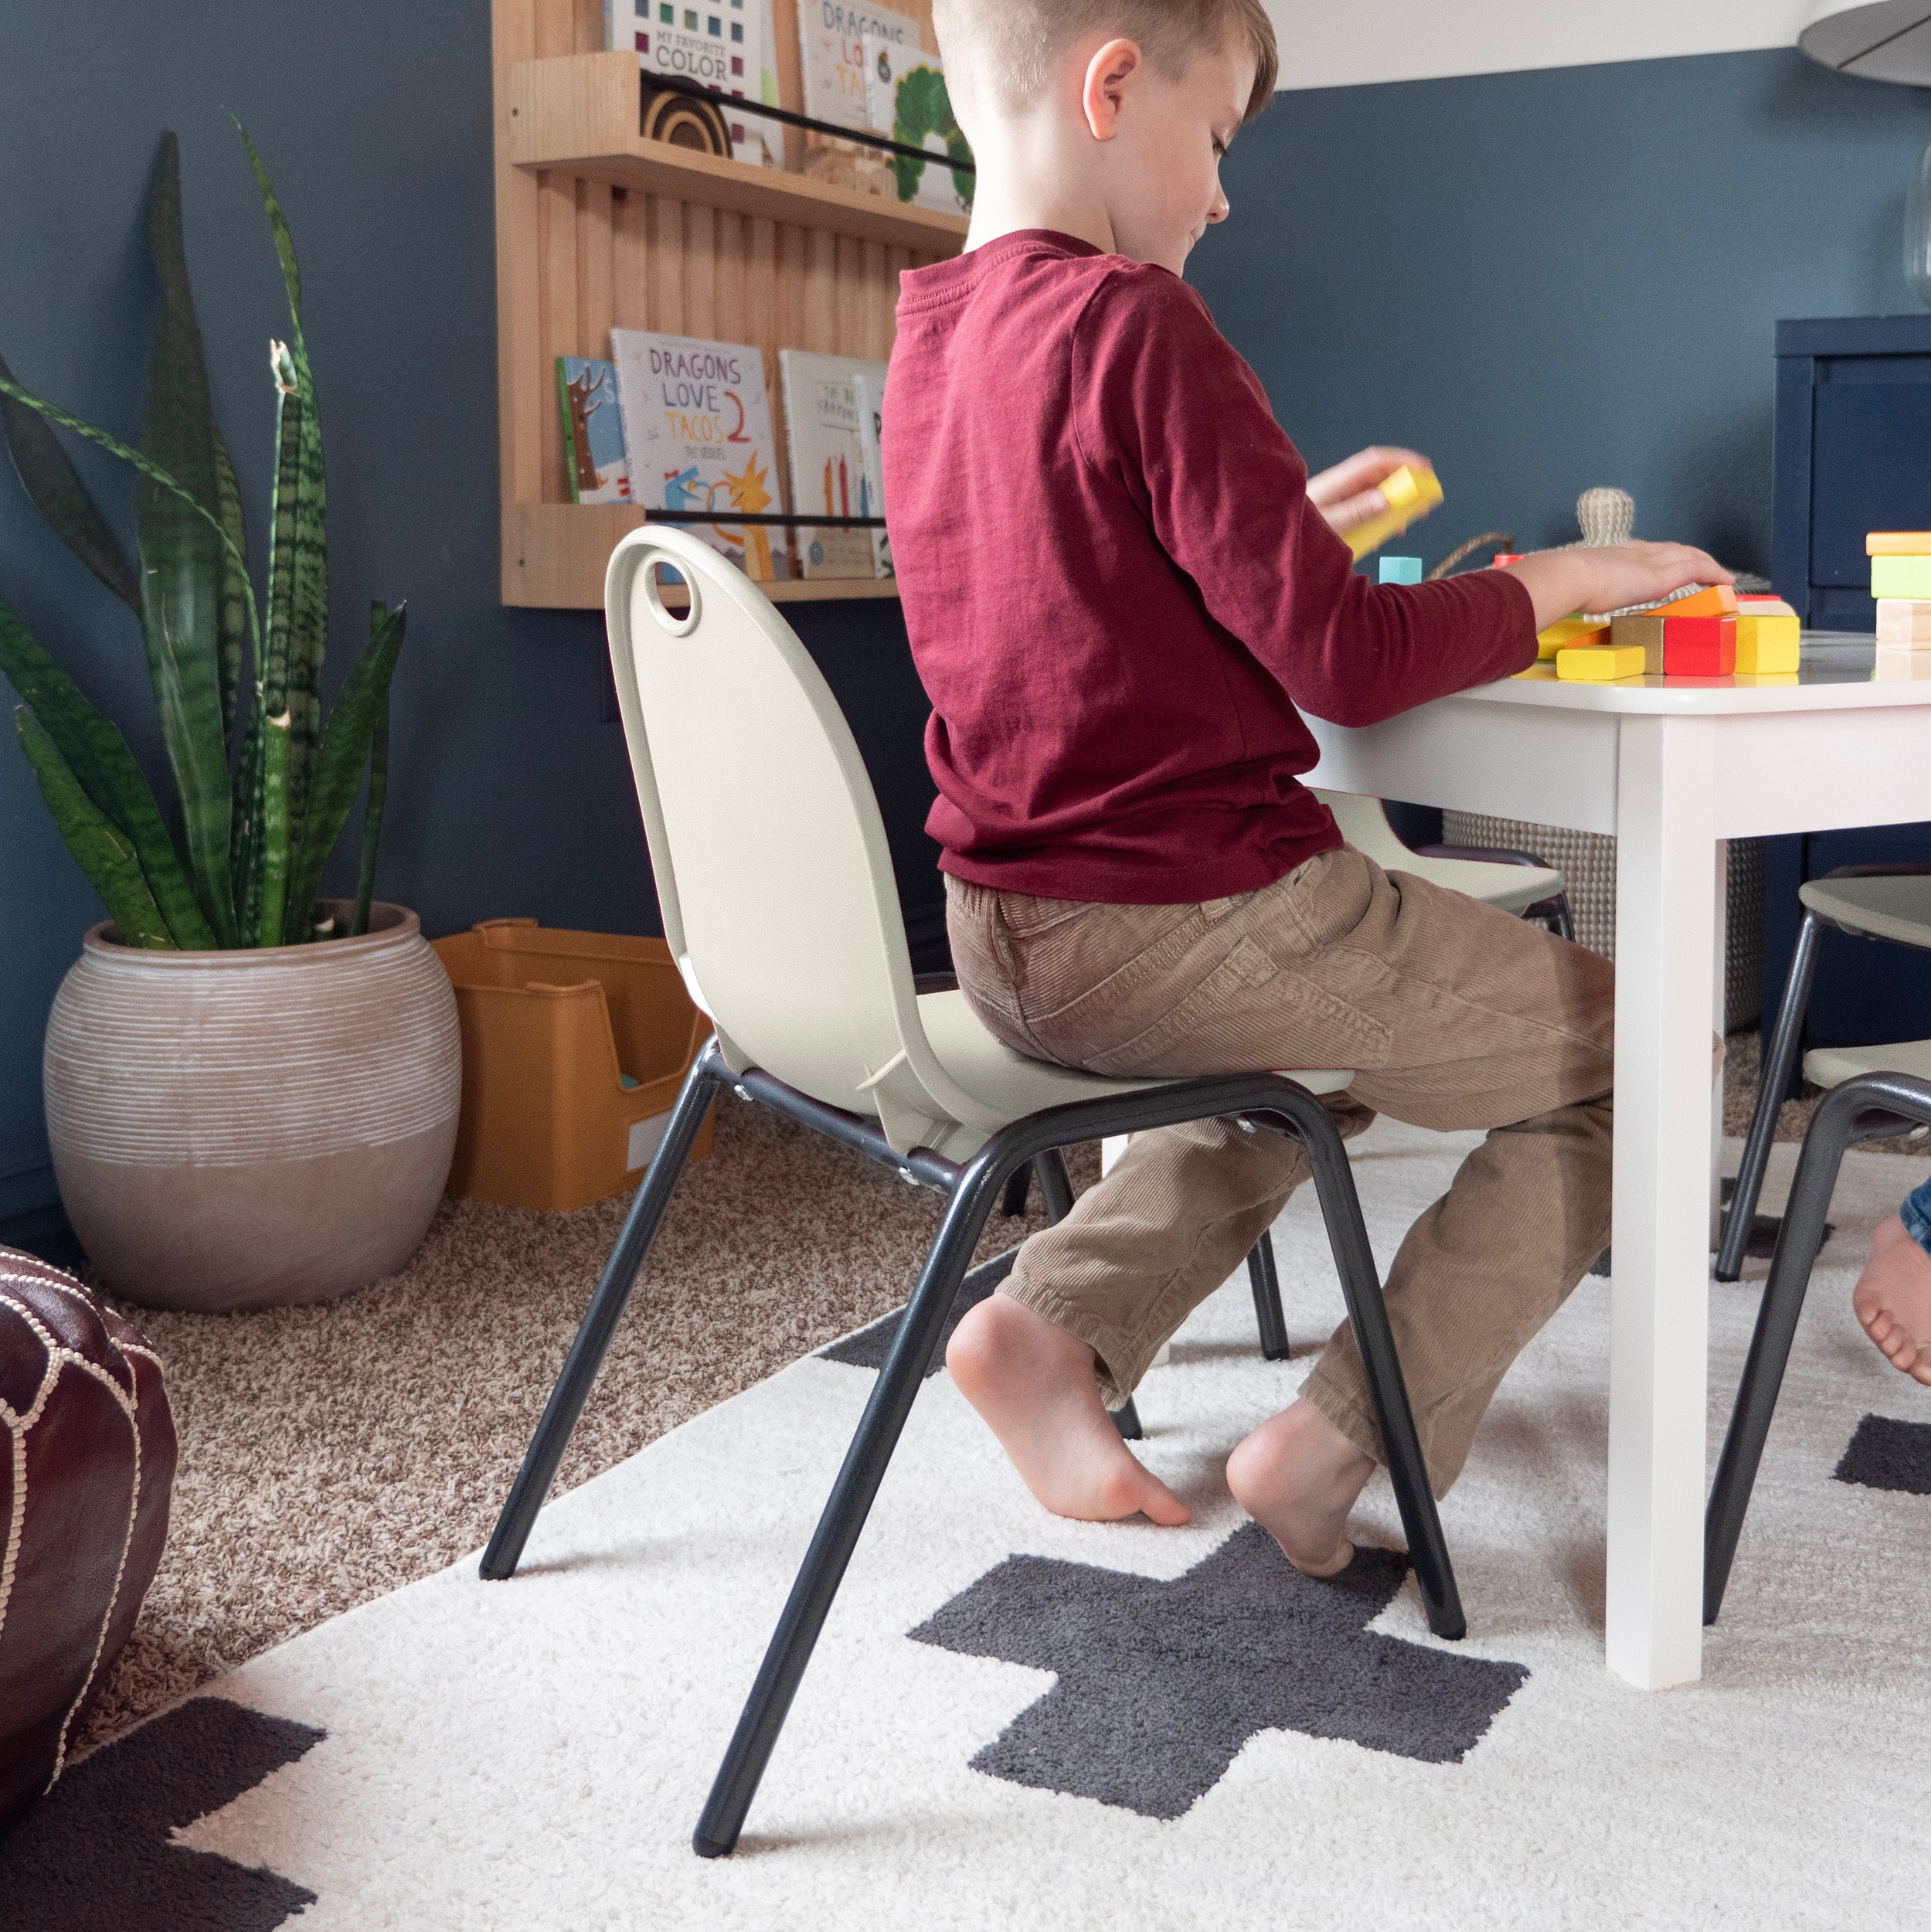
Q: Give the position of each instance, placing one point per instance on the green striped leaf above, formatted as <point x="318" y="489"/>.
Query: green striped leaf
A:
<point x="96" y="756"/>
<point x="103" y="852"/>
<point x="57" y="492"/>
<point x="344" y="750"/>
<point x="274" y="834"/>
<point x="183" y="558"/>
<point x="233" y="620"/>
<point x="247" y="822"/>
<point x="372" y="822"/>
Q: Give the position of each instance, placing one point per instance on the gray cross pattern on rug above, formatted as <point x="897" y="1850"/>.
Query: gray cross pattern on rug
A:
<point x="1162" y="1683"/>
<point x="1887" y="1453"/>
<point x="97" y="1853"/>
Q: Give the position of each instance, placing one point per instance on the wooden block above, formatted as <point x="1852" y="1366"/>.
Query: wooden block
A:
<point x="1894" y="666"/>
<point x="1567" y="631"/>
<point x="1411" y="493"/>
<point x="1765" y="606"/>
<point x="1399" y="569"/>
<point x="1767" y="641"/>
<point x="1749" y="679"/>
<point x="1643" y="632"/>
<point x="1901" y="576"/>
<point x="1598" y="663"/>
<point x="1719" y="600"/>
<point x="1542" y="671"/>
<point x="1904" y="624"/>
<point x="1898" y="544"/>
<point x="1699" y="647"/>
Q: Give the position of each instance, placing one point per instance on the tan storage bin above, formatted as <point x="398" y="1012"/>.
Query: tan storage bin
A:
<point x="574" y="1046"/>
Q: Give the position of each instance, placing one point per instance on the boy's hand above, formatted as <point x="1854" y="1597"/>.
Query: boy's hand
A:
<point x="1350" y="493"/>
<point x="1612" y="577"/>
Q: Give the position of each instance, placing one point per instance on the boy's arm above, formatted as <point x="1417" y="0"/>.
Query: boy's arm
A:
<point x="1163" y="399"/>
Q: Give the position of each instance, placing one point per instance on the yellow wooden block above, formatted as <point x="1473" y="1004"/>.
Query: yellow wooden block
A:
<point x="1750" y="679"/>
<point x="1545" y="672"/>
<point x="1765" y="642"/>
<point x="1599" y="663"/>
<point x="1411" y="495"/>
<point x="1898" y="544"/>
<point x="1719" y="600"/>
<point x="1566" y="631"/>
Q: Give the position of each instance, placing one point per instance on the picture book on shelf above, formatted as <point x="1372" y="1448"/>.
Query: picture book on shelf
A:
<point x="871" y="436"/>
<point x="719" y="43"/>
<point x="907" y="100"/>
<point x="698" y="422"/>
<point x="822" y="426"/>
<point x="831" y="47"/>
<point x="594" y="460"/>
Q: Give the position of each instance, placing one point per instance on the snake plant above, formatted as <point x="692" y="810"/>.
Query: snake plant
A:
<point x="262" y="787"/>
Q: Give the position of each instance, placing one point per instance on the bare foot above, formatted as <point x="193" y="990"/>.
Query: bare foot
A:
<point x="1035" y="1385"/>
<point x="1298" y="1476"/>
<point x="1892" y="1299"/>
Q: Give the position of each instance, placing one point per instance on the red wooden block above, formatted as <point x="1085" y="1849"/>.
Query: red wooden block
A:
<point x="1699" y="647"/>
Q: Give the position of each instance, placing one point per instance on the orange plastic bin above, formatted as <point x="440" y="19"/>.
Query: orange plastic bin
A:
<point x="574" y="1046"/>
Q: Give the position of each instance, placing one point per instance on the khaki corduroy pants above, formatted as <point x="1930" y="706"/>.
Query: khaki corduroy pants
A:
<point x="1455" y="1015"/>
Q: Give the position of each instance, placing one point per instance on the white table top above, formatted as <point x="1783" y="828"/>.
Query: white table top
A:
<point x="1837" y="672"/>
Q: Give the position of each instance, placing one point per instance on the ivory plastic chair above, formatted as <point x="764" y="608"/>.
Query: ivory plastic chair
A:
<point x="780" y="907"/>
<point x="1515" y="882"/>
<point x="1876" y="1092"/>
<point x="1890" y="902"/>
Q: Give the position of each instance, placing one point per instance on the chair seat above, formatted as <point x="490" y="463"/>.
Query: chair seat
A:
<point x="1832" y="1066"/>
<point x="1897" y="908"/>
<point x="1013" y="1085"/>
<point x="1511" y="888"/>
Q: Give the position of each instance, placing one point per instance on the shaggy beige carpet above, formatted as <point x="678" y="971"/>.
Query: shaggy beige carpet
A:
<point x="331" y="1454"/>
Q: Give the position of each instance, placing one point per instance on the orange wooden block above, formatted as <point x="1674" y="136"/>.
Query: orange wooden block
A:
<point x="1898" y="544"/>
<point x="1719" y="600"/>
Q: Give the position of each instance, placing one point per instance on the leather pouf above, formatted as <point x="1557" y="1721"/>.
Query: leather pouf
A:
<point x="86" y="1466"/>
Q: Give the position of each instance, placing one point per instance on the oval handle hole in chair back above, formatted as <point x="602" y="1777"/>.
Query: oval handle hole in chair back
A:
<point x="663" y="580"/>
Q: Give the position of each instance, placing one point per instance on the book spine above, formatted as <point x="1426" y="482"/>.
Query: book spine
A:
<point x="563" y="418"/>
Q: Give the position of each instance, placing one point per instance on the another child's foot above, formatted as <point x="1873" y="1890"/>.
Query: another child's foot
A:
<point x="1034" y="1384"/>
<point x="1892" y="1299"/>
<point x="1298" y="1477"/>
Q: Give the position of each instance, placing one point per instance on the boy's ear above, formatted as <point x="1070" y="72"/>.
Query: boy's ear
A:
<point x="1111" y="74"/>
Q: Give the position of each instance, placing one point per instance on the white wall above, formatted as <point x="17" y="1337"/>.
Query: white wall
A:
<point x="1339" y="43"/>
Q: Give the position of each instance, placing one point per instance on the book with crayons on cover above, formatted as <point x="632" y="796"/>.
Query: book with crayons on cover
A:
<point x="595" y="462"/>
<point x="697" y="421"/>
<point x="821" y="423"/>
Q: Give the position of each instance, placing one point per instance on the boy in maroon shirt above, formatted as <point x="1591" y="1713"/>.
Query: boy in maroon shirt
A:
<point x="1121" y="585"/>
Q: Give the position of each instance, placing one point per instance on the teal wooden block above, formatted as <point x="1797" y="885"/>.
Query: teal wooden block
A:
<point x="1408" y="570"/>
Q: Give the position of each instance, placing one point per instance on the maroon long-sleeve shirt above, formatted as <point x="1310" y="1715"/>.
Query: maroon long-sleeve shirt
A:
<point x="1117" y="592"/>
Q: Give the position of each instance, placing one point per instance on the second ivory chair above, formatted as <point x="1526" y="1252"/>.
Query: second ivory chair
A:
<point x="781" y="908"/>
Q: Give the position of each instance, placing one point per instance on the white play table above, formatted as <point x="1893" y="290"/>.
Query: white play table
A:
<point x="1671" y="770"/>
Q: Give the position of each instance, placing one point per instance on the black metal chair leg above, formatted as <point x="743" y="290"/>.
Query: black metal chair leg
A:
<point x="1773" y="1080"/>
<point x="1561" y="920"/>
<point x="1265" y="1279"/>
<point x="1126" y="1419"/>
<point x="586" y="1357"/>
<point x="1056" y="1184"/>
<point x="1361" y="1288"/>
<point x="850" y="1503"/>
<point x="1859" y="1110"/>
<point x="1012" y="1203"/>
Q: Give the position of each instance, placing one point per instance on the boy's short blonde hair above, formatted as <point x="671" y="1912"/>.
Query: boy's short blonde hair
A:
<point x="1009" y="46"/>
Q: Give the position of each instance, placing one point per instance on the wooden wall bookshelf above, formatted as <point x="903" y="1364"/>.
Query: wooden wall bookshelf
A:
<point x="596" y="227"/>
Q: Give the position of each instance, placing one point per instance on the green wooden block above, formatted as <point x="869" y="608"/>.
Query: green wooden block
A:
<point x="1901" y="576"/>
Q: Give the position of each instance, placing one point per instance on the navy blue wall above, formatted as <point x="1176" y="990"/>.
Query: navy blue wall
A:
<point x="1552" y="279"/>
<point x="508" y="793"/>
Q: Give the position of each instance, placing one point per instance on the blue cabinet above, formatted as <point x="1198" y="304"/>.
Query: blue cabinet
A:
<point x="1853" y="455"/>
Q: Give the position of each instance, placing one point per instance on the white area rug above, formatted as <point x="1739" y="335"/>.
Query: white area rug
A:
<point x="535" y="1754"/>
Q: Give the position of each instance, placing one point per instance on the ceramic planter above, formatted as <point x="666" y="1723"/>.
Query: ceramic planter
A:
<point x="250" y="1129"/>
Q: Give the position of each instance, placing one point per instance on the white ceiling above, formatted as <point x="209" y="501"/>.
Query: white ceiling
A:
<point x="1339" y="43"/>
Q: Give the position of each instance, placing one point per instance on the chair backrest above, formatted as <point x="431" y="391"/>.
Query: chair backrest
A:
<point x="773" y="873"/>
<point x="1363" y="822"/>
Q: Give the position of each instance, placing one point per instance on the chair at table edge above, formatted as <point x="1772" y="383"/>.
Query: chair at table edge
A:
<point x="1876" y="1092"/>
<point x="1840" y="901"/>
<point x="948" y="1107"/>
<point x="1514" y="882"/>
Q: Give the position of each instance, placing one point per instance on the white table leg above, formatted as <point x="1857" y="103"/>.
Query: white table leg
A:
<point x="1665" y="937"/>
<point x="1720" y="1003"/>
